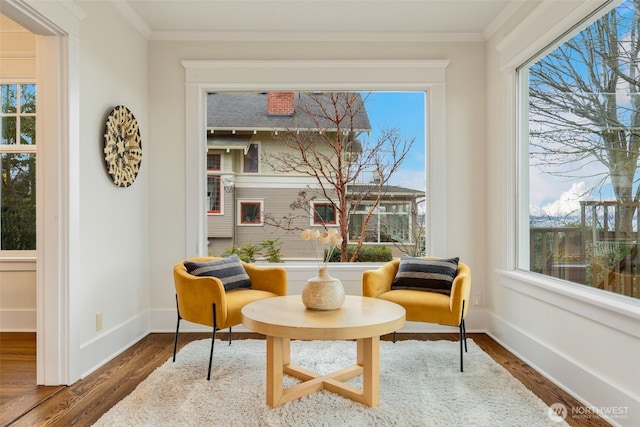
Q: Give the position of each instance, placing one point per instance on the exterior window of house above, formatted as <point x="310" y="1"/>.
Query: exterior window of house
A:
<point x="390" y="222"/>
<point x="323" y="214"/>
<point x="250" y="212"/>
<point x="18" y="167"/>
<point x="214" y="183"/>
<point x="214" y="162"/>
<point x="214" y="195"/>
<point x="580" y="115"/>
<point x="250" y="161"/>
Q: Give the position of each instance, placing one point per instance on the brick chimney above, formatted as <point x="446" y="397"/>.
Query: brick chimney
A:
<point x="280" y="103"/>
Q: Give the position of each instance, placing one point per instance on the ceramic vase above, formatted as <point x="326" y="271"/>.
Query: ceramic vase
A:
<point x="323" y="292"/>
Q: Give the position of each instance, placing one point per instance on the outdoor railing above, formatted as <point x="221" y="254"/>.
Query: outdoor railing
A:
<point x="571" y="254"/>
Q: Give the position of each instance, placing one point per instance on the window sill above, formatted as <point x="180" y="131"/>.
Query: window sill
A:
<point x="609" y="309"/>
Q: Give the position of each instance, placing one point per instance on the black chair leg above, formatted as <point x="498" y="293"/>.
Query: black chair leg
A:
<point x="464" y="334"/>
<point x="394" y="337"/>
<point x="463" y="337"/>
<point x="229" y="335"/>
<point x="461" y="344"/>
<point x="175" y="343"/>
<point x="213" y="340"/>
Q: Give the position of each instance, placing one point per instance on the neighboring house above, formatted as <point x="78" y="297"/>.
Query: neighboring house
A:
<point x="243" y="127"/>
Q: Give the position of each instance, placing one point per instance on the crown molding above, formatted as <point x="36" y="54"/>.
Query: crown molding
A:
<point x="298" y="36"/>
<point x="133" y="18"/>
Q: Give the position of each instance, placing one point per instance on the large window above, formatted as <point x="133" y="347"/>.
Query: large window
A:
<point x="316" y="165"/>
<point x="18" y="167"/>
<point x="581" y="106"/>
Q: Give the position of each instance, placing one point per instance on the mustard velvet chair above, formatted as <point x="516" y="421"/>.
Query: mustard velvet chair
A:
<point x="422" y="305"/>
<point x="203" y="299"/>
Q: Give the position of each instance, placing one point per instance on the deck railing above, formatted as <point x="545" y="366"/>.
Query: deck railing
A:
<point x="591" y="259"/>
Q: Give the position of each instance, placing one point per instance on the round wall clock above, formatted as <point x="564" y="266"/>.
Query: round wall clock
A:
<point x="122" y="146"/>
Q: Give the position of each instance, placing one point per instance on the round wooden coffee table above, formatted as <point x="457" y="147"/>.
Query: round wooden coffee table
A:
<point x="285" y="318"/>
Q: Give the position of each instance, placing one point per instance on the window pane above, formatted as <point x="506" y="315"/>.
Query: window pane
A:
<point x="28" y="130"/>
<point x="324" y="213"/>
<point x="9" y="99"/>
<point x="8" y="131"/>
<point x="213" y="194"/>
<point x="213" y="162"/>
<point x="394" y="228"/>
<point x="371" y="231"/>
<point x="583" y="120"/>
<point x="250" y="213"/>
<point x="28" y="98"/>
<point x="18" y="202"/>
<point x="251" y="159"/>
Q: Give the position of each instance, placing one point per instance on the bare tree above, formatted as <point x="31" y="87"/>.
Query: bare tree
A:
<point x="328" y="150"/>
<point x="584" y="107"/>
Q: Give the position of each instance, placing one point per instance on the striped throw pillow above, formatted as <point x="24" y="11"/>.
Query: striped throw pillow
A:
<point x="424" y="274"/>
<point x="229" y="270"/>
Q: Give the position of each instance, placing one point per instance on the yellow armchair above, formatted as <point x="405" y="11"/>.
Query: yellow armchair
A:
<point x="203" y="299"/>
<point x="421" y="305"/>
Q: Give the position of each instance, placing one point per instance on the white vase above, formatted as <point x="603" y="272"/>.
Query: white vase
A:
<point x="323" y="292"/>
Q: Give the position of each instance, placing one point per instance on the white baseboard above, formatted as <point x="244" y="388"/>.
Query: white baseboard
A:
<point x="112" y="342"/>
<point x="584" y="385"/>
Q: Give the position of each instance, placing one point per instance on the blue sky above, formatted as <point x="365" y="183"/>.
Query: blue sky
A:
<point x="406" y="112"/>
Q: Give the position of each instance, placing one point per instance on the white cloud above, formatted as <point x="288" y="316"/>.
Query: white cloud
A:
<point x="568" y="203"/>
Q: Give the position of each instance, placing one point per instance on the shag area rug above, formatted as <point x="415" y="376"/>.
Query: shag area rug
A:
<point x="420" y="385"/>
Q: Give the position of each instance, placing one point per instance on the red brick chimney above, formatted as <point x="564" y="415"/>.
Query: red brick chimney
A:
<point x="280" y="103"/>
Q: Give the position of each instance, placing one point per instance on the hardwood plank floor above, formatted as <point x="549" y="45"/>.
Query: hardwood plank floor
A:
<point x="23" y="403"/>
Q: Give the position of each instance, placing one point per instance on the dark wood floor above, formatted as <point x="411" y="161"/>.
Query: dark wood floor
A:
<point x="23" y="403"/>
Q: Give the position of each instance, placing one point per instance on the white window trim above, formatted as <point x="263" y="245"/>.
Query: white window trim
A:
<point x="239" y="203"/>
<point x="367" y="75"/>
<point x="606" y="308"/>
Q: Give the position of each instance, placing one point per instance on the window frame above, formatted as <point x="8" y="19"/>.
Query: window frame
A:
<point x="220" y="195"/>
<point x="240" y="203"/>
<point x="314" y="212"/>
<point x="20" y="148"/>
<point x="425" y="75"/>
<point x="614" y="311"/>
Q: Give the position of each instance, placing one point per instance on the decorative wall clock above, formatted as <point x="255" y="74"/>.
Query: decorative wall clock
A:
<point x="122" y="146"/>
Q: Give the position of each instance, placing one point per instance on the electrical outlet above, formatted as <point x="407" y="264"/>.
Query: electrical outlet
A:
<point x="477" y="300"/>
<point x="98" y="322"/>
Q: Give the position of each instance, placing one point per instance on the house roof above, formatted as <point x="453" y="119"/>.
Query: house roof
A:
<point x="242" y="111"/>
<point x="389" y="190"/>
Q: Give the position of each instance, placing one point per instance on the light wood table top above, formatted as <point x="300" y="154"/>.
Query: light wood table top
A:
<point x="359" y="317"/>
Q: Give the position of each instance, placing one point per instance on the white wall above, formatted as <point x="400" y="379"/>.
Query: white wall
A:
<point x="464" y="204"/>
<point x="113" y="221"/>
<point x="585" y="340"/>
